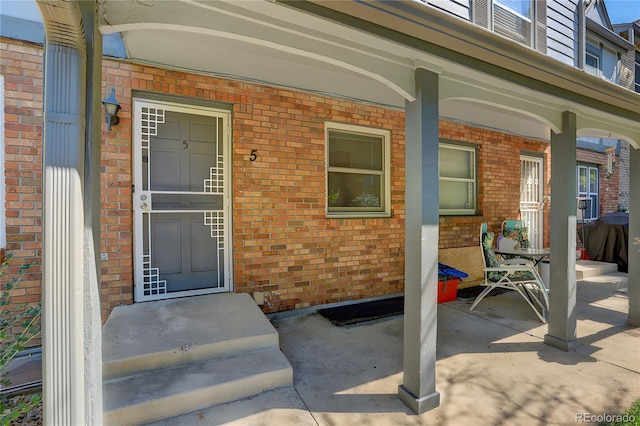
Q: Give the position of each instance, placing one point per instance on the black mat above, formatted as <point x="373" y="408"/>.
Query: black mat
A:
<point x="361" y="312"/>
<point x="470" y="293"/>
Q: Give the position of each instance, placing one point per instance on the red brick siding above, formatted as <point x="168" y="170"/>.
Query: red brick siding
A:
<point x="21" y="67"/>
<point x="609" y="184"/>
<point x="283" y="244"/>
<point x="498" y="182"/>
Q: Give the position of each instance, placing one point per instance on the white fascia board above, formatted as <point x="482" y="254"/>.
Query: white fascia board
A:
<point x="461" y="41"/>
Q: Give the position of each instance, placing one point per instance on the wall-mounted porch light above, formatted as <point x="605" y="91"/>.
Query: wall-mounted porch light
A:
<point x="111" y="107"/>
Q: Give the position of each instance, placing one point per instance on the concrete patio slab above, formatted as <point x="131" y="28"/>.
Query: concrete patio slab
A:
<point x="281" y="407"/>
<point x="492" y="368"/>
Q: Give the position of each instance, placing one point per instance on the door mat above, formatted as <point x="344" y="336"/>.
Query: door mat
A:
<point x="470" y="293"/>
<point x="361" y="312"/>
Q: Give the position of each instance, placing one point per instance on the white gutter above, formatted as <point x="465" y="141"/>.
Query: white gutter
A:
<point x="440" y="33"/>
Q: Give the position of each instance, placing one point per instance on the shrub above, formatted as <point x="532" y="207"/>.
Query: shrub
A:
<point x="17" y="328"/>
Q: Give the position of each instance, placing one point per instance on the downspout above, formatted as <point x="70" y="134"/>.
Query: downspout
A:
<point x="70" y="396"/>
<point x="582" y="35"/>
<point x="583" y="7"/>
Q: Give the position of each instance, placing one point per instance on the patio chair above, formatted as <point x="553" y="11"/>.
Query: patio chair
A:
<point x="513" y="233"/>
<point x="513" y="274"/>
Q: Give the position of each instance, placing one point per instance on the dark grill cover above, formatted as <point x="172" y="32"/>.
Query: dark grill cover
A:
<point x="607" y="239"/>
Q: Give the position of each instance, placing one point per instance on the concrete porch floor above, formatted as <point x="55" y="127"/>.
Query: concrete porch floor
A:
<point x="492" y="368"/>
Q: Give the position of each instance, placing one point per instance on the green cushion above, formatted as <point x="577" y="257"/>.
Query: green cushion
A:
<point x="523" y="238"/>
<point x="519" y="234"/>
<point x="491" y="261"/>
<point x="490" y="258"/>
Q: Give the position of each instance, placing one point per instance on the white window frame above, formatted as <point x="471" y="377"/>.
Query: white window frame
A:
<point x="472" y="210"/>
<point x="593" y="196"/>
<point x="514" y="35"/>
<point x="345" y="212"/>
<point x="594" y="52"/>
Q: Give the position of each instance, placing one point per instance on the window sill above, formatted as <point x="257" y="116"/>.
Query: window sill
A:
<point x="461" y="214"/>
<point x="358" y="215"/>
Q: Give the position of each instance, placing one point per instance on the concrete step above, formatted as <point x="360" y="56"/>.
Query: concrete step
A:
<point x="169" y="392"/>
<point x="586" y="269"/>
<point x="155" y="335"/>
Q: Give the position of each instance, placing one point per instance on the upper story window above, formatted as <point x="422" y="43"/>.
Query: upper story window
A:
<point x="637" y="85"/>
<point x="593" y="59"/>
<point x="458" y="179"/>
<point x="513" y="19"/>
<point x="358" y="171"/>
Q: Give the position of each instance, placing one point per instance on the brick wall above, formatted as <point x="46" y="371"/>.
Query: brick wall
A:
<point x="116" y="169"/>
<point x="498" y="182"/>
<point x="623" y="170"/>
<point x="21" y="67"/>
<point x="283" y="244"/>
<point x="609" y="184"/>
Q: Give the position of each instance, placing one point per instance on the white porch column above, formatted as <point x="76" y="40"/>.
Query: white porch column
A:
<point x="418" y="390"/>
<point x="562" y="298"/>
<point x="634" y="231"/>
<point x="72" y="379"/>
<point x="92" y="204"/>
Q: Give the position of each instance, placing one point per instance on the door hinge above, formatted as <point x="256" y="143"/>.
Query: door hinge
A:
<point x="133" y="189"/>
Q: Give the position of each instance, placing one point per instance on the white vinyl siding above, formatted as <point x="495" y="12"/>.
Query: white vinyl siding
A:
<point x="561" y="30"/>
<point x="460" y="8"/>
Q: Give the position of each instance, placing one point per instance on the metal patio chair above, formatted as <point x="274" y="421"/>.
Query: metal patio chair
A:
<point x="516" y="274"/>
<point x="513" y="232"/>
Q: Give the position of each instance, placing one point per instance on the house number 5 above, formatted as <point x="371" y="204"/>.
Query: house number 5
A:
<point x="254" y="155"/>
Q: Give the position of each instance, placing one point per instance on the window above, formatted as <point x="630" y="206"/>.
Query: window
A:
<point x="588" y="188"/>
<point x="592" y="60"/>
<point x="637" y="85"/>
<point x="457" y="179"/>
<point x="358" y="164"/>
<point x="513" y="19"/>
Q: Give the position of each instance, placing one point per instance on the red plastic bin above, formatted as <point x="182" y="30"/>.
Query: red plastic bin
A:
<point x="448" y="290"/>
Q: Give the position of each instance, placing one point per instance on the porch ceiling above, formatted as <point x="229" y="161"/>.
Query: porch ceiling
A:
<point x="262" y="42"/>
<point x="234" y="58"/>
<point x="275" y="44"/>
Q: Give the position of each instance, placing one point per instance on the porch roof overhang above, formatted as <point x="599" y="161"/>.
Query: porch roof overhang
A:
<point x="320" y="46"/>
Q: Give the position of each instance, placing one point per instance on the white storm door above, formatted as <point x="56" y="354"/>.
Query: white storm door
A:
<point x="531" y="198"/>
<point x="180" y="201"/>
